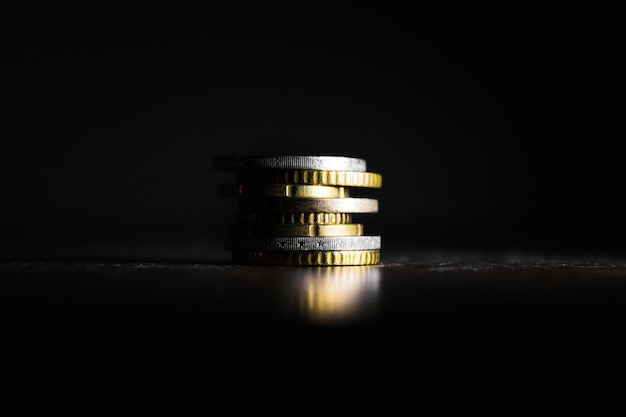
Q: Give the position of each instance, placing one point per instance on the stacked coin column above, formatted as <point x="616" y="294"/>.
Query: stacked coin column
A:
<point x="297" y="210"/>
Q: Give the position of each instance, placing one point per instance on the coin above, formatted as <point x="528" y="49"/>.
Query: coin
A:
<point x="299" y="176"/>
<point x="281" y="190"/>
<point x="269" y="230"/>
<point x="310" y="258"/>
<point x="304" y="243"/>
<point x="289" y="205"/>
<point x="298" y="210"/>
<point x="326" y="163"/>
<point x="294" y="218"/>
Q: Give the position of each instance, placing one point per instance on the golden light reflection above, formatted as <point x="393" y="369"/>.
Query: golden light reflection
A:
<point x="334" y="294"/>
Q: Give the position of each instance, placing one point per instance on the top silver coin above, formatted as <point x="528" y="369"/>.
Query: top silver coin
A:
<point x="321" y="163"/>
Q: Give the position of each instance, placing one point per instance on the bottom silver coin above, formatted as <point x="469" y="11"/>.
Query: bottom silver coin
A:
<point x="303" y="243"/>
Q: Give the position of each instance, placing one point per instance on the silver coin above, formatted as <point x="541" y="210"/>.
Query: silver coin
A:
<point x="303" y="243"/>
<point x="316" y="205"/>
<point x="321" y="163"/>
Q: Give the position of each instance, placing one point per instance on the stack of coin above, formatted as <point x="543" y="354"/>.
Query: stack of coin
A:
<point x="297" y="210"/>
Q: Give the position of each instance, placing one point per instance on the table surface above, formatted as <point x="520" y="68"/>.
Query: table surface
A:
<point x="429" y="288"/>
<point x="442" y="318"/>
<point x="437" y="312"/>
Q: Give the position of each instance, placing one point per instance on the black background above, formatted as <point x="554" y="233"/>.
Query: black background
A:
<point x="493" y="125"/>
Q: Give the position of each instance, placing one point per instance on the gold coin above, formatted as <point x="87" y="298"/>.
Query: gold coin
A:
<point x="272" y="230"/>
<point x="313" y="177"/>
<point x="294" y="218"/>
<point x="281" y="190"/>
<point x="308" y="258"/>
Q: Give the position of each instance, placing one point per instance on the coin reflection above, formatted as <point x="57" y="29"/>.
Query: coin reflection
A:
<point x="337" y="294"/>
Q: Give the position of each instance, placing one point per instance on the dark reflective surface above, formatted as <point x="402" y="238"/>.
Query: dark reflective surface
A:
<point x="435" y="313"/>
<point x="74" y="292"/>
<point x="331" y="295"/>
<point x="427" y="290"/>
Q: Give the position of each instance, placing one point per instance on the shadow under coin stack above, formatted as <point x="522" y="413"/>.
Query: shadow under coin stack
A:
<point x="297" y="210"/>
